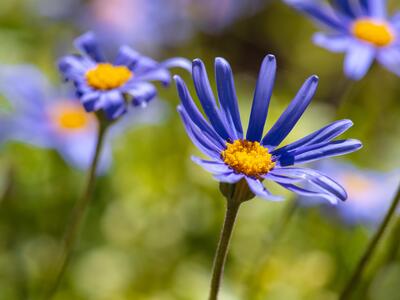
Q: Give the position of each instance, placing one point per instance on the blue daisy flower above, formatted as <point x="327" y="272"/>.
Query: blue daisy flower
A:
<point x="362" y="29"/>
<point x="102" y="85"/>
<point x="50" y="118"/>
<point x="370" y="192"/>
<point x="253" y="158"/>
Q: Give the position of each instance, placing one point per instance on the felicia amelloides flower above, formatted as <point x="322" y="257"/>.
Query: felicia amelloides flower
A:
<point x="253" y="157"/>
<point x="361" y="29"/>
<point x="51" y="118"/>
<point x="113" y="86"/>
<point x="243" y="162"/>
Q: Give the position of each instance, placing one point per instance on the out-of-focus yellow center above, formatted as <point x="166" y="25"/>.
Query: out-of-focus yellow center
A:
<point x="375" y="32"/>
<point x="69" y="116"/>
<point x="106" y="76"/>
<point x="357" y="185"/>
<point x="247" y="157"/>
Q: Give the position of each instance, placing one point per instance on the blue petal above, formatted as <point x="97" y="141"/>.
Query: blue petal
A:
<point x="376" y="8"/>
<point x="258" y="189"/>
<point x="142" y="92"/>
<point x="194" y="113"/>
<point x="262" y="96"/>
<point x="215" y="167"/>
<point x="318" y="151"/>
<point x="229" y="177"/>
<point x="315" y="178"/>
<point x="126" y="57"/>
<point x="177" y="62"/>
<point x="89" y="100"/>
<point x="227" y="96"/>
<point x="74" y="67"/>
<point x="292" y="114"/>
<point x="322" y="135"/>
<point x="198" y="138"/>
<point x="332" y="42"/>
<point x="390" y="59"/>
<point x="322" y="13"/>
<point x="115" y="105"/>
<point x="87" y="44"/>
<point x="358" y="60"/>
<point x="206" y="97"/>
<point x="345" y="6"/>
<point x="308" y="193"/>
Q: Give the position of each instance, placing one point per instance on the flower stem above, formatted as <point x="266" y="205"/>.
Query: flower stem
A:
<point x="223" y="245"/>
<point x="77" y="216"/>
<point x="352" y="283"/>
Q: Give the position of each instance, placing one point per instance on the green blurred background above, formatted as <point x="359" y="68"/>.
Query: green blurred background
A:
<point x="154" y="223"/>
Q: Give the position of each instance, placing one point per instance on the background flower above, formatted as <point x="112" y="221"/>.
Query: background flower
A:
<point x="49" y="117"/>
<point x="361" y="29"/>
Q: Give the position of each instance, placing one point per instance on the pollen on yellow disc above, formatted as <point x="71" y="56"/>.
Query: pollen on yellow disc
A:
<point x="248" y="157"/>
<point x="375" y="32"/>
<point x="106" y="76"/>
<point x="73" y="119"/>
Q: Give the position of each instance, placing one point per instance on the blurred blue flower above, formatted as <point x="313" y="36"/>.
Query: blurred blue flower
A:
<point x="360" y="28"/>
<point x="370" y="193"/>
<point x="51" y="118"/>
<point x="254" y="158"/>
<point x="108" y="86"/>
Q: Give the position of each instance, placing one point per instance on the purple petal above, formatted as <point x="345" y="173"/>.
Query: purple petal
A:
<point x="358" y="60"/>
<point x="332" y="42"/>
<point x="194" y="113"/>
<point x="258" y="189"/>
<point x="318" y="151"/>
<point x="206" y="97"/>
<point x="325" y="134"/>
<point x="227" y="96"/>
<point x="390" y="59"/>
<point x="126" y="57"/>
<point x="292" y="114"/>
<point x="87" y="44"/>
<point x="229" y="177"/>
<point x="262" y="97"/>
<point x="215" y="167"/>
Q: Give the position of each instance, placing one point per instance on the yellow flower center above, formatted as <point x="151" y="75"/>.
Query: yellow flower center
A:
<point x="247" y="157"/>
<point x="106" y="76"/>
<point x="68" y="116"/>
<point x="375" y="32"/>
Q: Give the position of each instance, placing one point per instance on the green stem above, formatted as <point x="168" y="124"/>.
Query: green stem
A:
<point x="222" y="250"/>
<point x="352" y="283"/>
<point x="77" y="216"/>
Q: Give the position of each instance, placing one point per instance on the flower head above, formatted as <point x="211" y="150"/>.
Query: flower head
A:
<point x="50" y="118"/>
<point x="361" y="29"/>
<point x="111" y="86"/>
<point x="369" y="192"/>
<point x="253" y="157"/>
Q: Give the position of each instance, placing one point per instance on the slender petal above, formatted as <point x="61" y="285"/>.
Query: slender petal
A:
<point x="325" y="134"/>
<point x="229" y="177"/>
<point x="177" y="62"/>
<point x="318" y="151"/>
<point x="358" y="60"/>
<point x="142" y="93"/>
<point x="215" y="167"/>
<point x="292" y="114"/>
<point x="115" y="105"/>
<point x="194" y="113"/>
<point x="322" y="13"/>
<point x="319" y="180"/>
<point x="258" y="189"/>
<point x="227" y="96"/>
<point x="332" y="41"/>
<point x="206" y="97"/>
<point x="87" y="43"/>
<point x="262" y="97"/>
<point x="309" y="193"/>
<point x="390" y="59"/>
<point x="376" y="8"/>
<point x="201" y="141"/>
<point x="127" y="57"/>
